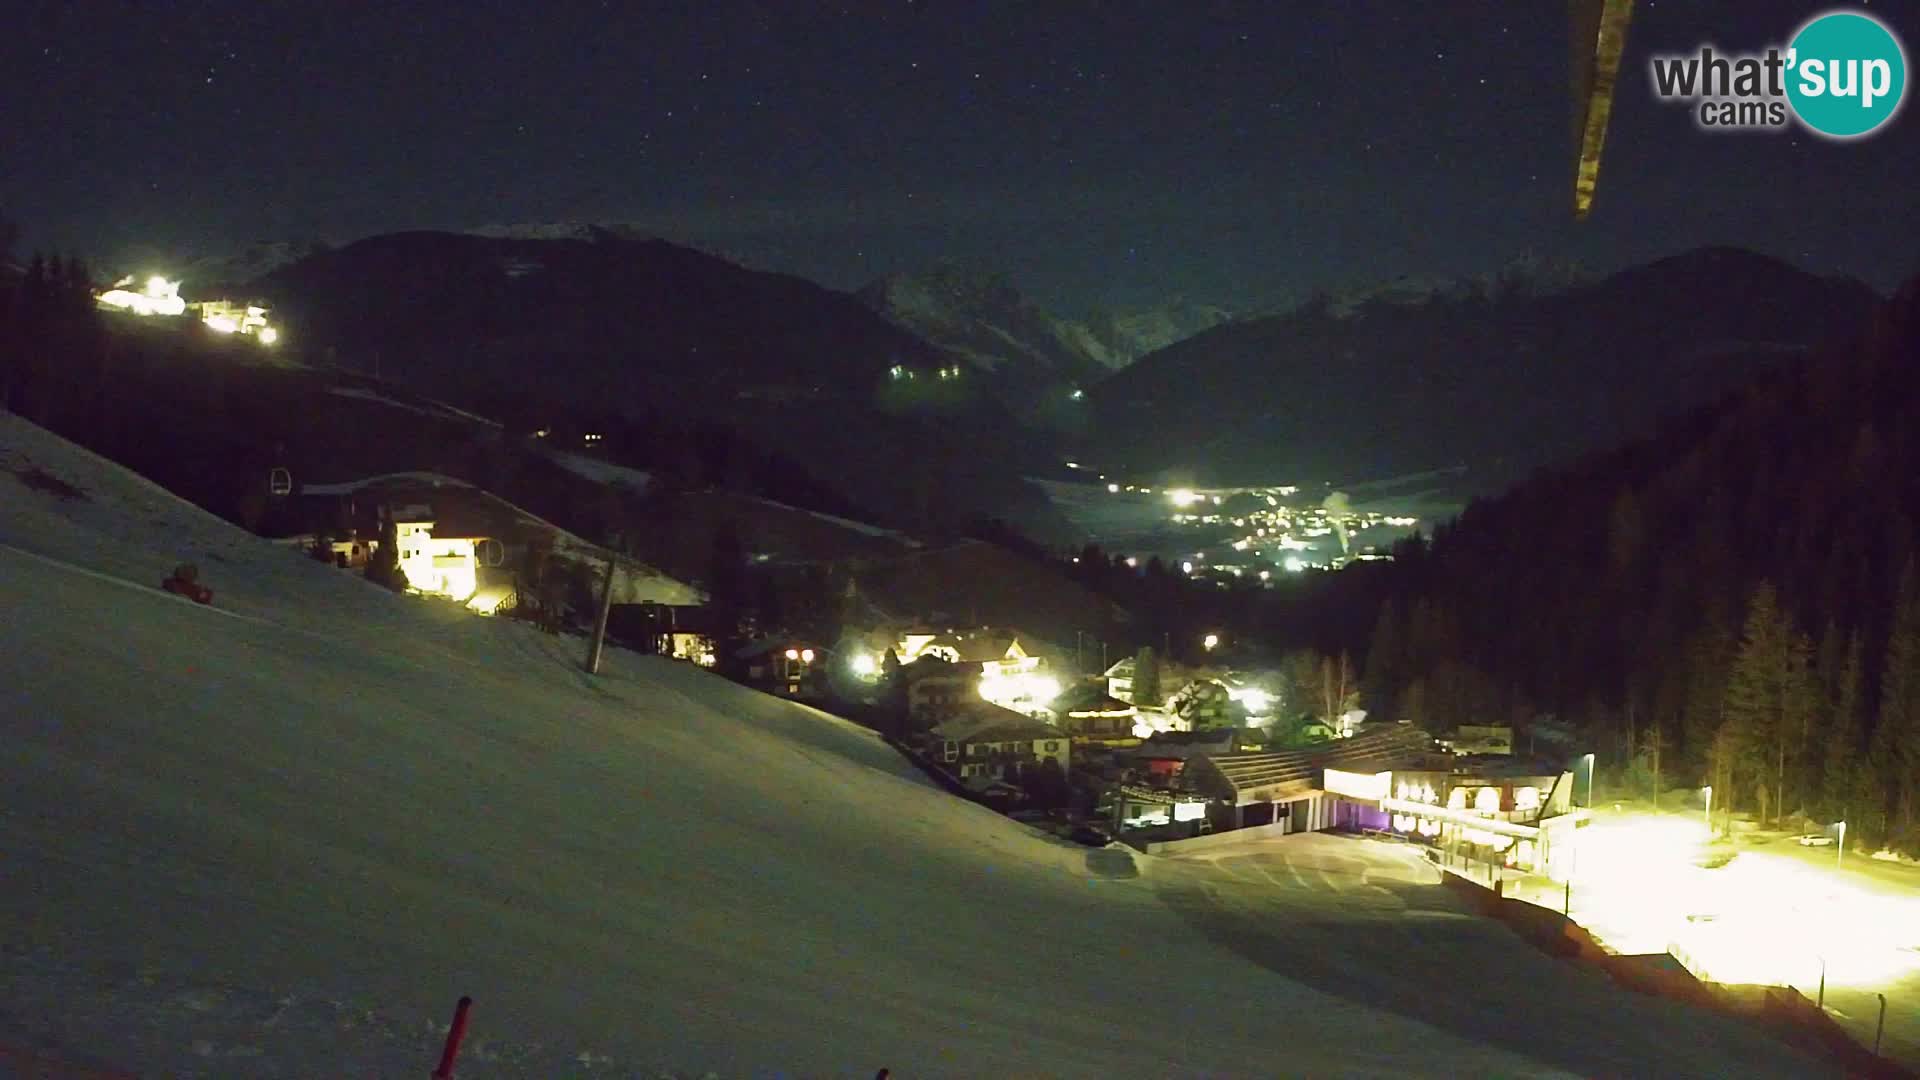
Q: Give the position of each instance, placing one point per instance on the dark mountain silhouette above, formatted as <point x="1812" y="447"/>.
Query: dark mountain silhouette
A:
<point x="641" y="327"/>
<point x="1496" y="376"/>
<point x="1649" y="593"/>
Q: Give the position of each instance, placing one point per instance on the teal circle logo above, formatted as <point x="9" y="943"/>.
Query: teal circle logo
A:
<point x="1846" y="75"/>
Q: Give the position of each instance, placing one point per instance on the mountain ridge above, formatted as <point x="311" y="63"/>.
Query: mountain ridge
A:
<point x="1506" y="381"/>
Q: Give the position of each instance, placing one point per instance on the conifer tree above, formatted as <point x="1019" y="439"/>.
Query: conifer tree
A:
<point x="1385" y="666"/>
<point x="1146" y="677"/>
<point x="1844" y="743"/>
<point x="384" y="567"/>
<point x="1769" y="698"/>
<point x="1897" y="735"/>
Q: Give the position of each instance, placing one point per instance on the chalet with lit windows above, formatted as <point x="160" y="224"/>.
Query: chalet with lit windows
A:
<point x="983" y="741"/>
<point x="938" y="690"/>
<point x="1092" y="717"/>
<point x="786" y="666"/>
<point x="1000" y="653"/>
<point x="468" y="544"/>
<point x="1480" y="812"/>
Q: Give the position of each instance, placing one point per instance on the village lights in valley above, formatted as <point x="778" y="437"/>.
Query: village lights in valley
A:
<point x="1183" y="496"/>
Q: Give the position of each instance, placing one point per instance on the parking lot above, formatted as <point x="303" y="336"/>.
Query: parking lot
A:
<point x="1369" y="921"/>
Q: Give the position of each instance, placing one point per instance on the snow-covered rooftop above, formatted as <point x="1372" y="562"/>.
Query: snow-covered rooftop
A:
<point x="279" y="836"/>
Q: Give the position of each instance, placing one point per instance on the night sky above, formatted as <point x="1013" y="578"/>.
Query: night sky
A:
<point x="1101" y="154"/>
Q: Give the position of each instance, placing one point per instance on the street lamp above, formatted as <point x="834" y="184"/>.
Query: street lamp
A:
<point x="1210" y="641"/>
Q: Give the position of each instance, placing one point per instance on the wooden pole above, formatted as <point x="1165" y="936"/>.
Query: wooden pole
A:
<point x="600" y="623"/>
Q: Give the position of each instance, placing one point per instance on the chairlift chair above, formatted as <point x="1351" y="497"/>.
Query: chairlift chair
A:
<point x="280" y="481"/>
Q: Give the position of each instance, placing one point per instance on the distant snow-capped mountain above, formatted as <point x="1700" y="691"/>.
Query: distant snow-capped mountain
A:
<point x="210" y="274"/>
<point x="982" y="318"/>
<point x="1126" y="336"/>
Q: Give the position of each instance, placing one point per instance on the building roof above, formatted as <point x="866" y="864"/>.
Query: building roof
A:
<point x="1288" y="774"/>
<point x="1183" y="745"/>
<point x="983" y="721"/>
<point x="986" y="645"/>
<point x="1091" y="699"/>
<point x="934" y="667"/>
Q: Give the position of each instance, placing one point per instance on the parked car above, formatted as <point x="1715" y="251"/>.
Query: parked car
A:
<point x="1090" y="836"/>
<point x="1814" y="839"/>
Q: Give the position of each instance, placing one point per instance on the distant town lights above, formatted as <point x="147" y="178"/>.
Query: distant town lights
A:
<point x="1183" y="496"/>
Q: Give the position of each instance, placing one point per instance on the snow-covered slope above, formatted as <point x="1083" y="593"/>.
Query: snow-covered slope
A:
<point x="279" y="838"/>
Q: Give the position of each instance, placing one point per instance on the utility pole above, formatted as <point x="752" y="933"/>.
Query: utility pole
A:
<point x="600" y="623"/>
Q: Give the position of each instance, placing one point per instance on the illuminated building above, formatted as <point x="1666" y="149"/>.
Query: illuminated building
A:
<point x="789" y="667"/>
<point x="227" y="317"/>
<point x="1092" y="717"/>
<point x="1480" y="813"/>
<point x="157" y="297"/>
<point x="983" y="741"/>
<point x="436" y="565"/>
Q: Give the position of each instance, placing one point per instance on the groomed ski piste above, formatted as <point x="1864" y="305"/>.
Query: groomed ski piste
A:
<point x="281" y="835"/>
